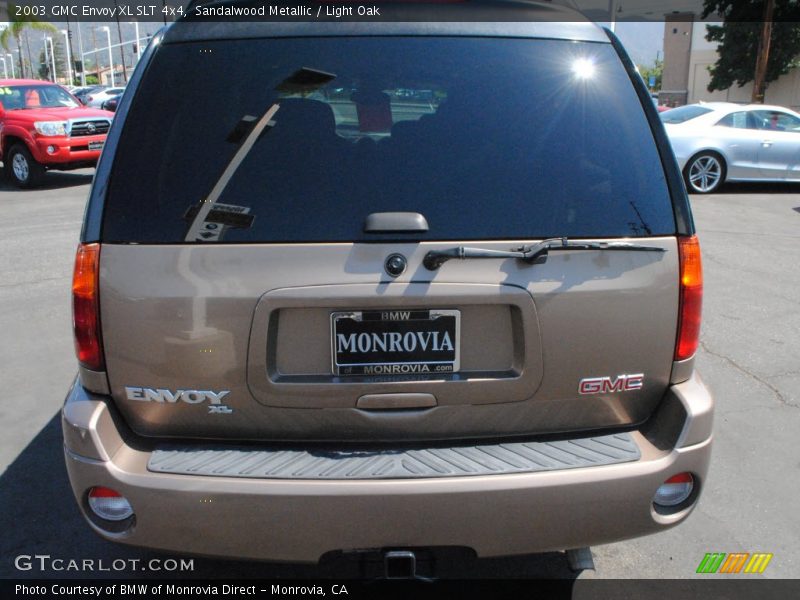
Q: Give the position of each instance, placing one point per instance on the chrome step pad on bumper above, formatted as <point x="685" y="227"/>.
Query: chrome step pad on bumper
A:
<point x="387" y="463"/>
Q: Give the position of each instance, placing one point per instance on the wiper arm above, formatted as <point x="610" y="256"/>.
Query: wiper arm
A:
<point x="530" y="254"/>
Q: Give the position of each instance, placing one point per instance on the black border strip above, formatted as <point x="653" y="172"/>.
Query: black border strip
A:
<point x="702" y="587"/>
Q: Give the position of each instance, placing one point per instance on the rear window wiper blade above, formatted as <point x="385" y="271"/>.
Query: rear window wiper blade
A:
<point x="529" y="254"/>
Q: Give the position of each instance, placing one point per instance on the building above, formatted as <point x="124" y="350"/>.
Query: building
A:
<point x="687" y="57"/>
<point x="678" y="29"/>
<point x="104" y="75"/>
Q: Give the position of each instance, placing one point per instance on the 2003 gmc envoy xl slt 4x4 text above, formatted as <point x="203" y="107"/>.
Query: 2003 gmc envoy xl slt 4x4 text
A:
<point x="386" y="286"/>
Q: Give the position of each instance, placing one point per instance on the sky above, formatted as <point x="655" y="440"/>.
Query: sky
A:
<point x="642" y="40"/>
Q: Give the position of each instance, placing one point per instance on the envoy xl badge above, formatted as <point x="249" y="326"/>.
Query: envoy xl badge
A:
<point x="188" y="396"/>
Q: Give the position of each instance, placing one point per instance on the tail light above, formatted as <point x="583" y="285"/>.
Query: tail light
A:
<point x="109" y="504"/>
<point x="674" y="490"/>
<point x="691" y="297"/>
<point x="85" y="307"/>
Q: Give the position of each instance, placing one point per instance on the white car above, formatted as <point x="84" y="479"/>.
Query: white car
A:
<point x="101" y="96"/>
<point x="716" y="142"/>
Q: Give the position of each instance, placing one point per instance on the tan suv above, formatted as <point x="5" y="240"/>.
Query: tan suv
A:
<point x="396" y="286"/>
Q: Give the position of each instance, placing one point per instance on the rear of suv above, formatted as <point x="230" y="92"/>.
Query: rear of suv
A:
<point x="397" y="285"/>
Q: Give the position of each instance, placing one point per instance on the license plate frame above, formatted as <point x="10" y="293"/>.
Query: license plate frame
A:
<point x="440" y="356"/>
<point x="96" y="145"/>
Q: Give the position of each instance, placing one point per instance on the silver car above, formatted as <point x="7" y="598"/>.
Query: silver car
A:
<point x="716" y="142"/>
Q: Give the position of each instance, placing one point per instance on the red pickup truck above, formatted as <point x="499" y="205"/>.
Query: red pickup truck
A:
<point x="42" y="126"/>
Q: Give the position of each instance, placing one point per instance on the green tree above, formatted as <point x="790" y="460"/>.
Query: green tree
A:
<point x="656" y="70"/>
<point x="738" y="38"/>
<point x="17" y="24"/>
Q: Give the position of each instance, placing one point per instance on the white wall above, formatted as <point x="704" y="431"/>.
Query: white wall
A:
<point x="783" y="92"/>
<point x="699" y="41"/>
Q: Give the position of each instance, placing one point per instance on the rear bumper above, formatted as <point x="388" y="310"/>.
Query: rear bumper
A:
<point x="299" y="520"/>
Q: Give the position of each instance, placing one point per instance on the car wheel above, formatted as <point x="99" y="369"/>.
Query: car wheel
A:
<point x="21" y="168"/>
<point x="704" y="173"/>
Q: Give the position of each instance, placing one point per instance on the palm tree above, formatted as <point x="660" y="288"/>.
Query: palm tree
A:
<point x="17" y="24"/>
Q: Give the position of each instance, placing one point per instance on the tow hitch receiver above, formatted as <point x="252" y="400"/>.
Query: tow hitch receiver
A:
<point x="400" y="564"/>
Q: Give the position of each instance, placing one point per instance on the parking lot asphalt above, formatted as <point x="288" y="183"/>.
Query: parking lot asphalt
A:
<point x="750" y="357"/>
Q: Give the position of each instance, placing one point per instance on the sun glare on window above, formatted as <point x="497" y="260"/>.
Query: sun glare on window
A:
<point x="583" y="68"/>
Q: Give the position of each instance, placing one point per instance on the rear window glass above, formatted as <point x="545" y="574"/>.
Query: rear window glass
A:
<point x="487" y="138"/>
<point x="683" y="113"/>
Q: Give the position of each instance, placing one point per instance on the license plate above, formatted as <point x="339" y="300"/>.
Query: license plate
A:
<point x="395" y="342"/>
<point x="96" y="145"/>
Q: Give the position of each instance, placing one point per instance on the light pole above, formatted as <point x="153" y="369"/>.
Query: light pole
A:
<point x="69" y="58"/>
<point x="138" y="47"/>
<point x="110" y="57"/>
<point x="80" y="49"/>
<point x="52" y="56"/>
<point x="5" y="69"/>
<point x="46" y="56"/>
<point x="612" y="10"/>
<point x="11" y="61"/>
